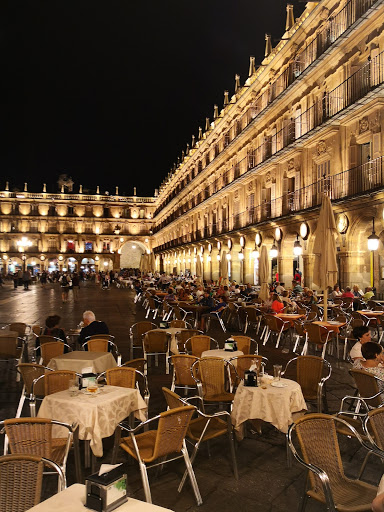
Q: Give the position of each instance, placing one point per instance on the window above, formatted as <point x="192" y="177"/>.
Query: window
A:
<point x="250" y="208"/>
<point x="88" y="247"/>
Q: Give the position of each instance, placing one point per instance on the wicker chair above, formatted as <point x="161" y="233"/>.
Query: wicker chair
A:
<point x="169" y="438"/>
<point x="156" y="343"/>
<point x="167" y="311"/>
<point x="11" y="350"/>
<point x="210" y="374"/>
<point x="33" y="436"/>
<point x="182" y="377"/>
<point x="243" y="363"/>
<point x="317" y="436"/>
<point x="316" y="334"/>
<point x="126" y="377"/>
<point x="21" y="479"/>
<point x="53" y="381"/>
<point x="30" y="372"/>
<point x="153" y="307"/>
<point x="196" y="345"/>
<point x="21" y="328"/>
<point x="253" y="317"/>
<point x="373" y="428"/>
<point x="275" y="325"/>
<point x="102" y="344"/>
<point x="299" y="334"/>
<point x="180" y="323"/>
<point x="136" y="332"/>
<point x="204" y="428"/>
<point x="52" y="349"/>
<point x="368" y="388"/>
<point x="244" y="344"/>
<point x="311" y="373"/>
<point x="139" y="364"/>
<point x="36" y="330"/>
<point x="183" y="336"/>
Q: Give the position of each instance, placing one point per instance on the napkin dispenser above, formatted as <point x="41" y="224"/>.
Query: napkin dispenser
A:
<point x="230" y="345"/>
<point x="164" y="325"/>
<point x="250" y="379"/>
<point x="106" y="492"/>
<point x="85" y="375"/>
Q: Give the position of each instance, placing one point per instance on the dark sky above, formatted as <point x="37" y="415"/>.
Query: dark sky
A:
<point x="110" y="92"/>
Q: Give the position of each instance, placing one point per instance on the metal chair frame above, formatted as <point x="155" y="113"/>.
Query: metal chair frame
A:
<point x="132" y="335"/>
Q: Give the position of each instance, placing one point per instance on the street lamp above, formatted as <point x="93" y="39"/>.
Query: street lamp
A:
<point x="373" y="245"/>
<point x="274" y="251"/>
<point x="297" y="248"/>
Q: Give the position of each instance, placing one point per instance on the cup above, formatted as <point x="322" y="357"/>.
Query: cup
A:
<point x="92" y="386"/>
<point x="277" y="371"/>
<point x="73" y="387"/>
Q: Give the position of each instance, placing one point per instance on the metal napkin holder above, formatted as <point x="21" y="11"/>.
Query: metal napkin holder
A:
<point x="108" y="491"/>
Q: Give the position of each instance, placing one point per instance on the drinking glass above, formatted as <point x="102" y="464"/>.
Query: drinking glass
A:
<point x="73" y="387"/>
<point x="277" y="371"/>
<point x="92" y="386"/>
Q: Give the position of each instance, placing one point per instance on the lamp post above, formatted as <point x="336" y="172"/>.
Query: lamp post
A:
<point x="373" y="245"/>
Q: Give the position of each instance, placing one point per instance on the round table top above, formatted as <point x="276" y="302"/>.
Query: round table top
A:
<point x="223" y="354"/>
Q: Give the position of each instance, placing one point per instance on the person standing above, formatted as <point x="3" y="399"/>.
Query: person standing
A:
<point x="15" y="278"/>
<point x="26" y="279"/>
<point x="75" y="285"/>
<point x="65" y="284"/>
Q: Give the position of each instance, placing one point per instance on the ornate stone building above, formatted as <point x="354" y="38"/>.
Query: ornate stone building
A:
<point x="308" y="120"/>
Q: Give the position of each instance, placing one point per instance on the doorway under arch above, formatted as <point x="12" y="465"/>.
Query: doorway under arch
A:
<point x="131" y="252"/>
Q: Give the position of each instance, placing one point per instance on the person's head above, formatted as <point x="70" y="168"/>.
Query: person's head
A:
<point x="347" y="289"/>
<point x="285" y="293"/>
<point x="355" y="288"/>
<point x="170" y="291"/>
<point x="371" y="350"/>
<point x="88" y="317"/>
<point x="225" y="288"/>
<point x="362" y="333"/>
<point x="276" y="297"/>
<point x="336" y="288"/>
<point x="368" y="289"/>
<point x="52" y="321"/>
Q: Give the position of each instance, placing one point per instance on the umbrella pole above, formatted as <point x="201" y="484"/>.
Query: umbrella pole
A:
<point x="325" y="317"/>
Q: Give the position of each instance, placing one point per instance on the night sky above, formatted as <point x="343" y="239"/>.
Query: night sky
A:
<point x="111" y="92"/>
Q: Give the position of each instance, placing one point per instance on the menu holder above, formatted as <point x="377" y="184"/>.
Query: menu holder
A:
<point x="86" y="374"/>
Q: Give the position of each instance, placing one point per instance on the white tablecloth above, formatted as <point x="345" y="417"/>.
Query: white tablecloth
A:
<point x="224" y="354"/>
<point x="72" y="499"/>
<point x="97" y="415"/>
<point x="273" y="405"/>
<point x="79" y="359"/>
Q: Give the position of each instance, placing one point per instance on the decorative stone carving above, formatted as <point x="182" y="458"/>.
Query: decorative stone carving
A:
<point x="321" y="147"/>
<point x="363" y="125"/>
<point x="291" y="164"/>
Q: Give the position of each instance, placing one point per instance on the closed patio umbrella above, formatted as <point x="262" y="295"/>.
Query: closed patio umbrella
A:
<point x="224" y="269"/>
<point x="264" y="273"/>
<point x="324" y="249"/>
<point x="152" y="262"/>
<point x="141" y="264"/>
<point x="199" y="271"/>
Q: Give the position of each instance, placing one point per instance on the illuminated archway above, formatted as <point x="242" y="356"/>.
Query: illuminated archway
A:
<point x="131" y="252"/>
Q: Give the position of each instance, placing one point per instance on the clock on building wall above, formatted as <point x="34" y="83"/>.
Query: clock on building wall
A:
<point x="342" y="223"/>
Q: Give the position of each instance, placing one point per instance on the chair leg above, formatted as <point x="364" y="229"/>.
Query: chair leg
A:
<point x="191" y="473"/>
<point x="233" y="454"/>
<point x="144" y="478"/>
<point x="116" y="444"/>
<point x="21" y="403"/>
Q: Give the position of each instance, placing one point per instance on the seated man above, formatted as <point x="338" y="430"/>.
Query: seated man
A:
<point x="91" y="327"/>
<point x="219" y="308"/>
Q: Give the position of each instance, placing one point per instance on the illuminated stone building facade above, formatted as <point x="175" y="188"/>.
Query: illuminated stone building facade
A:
<point x="309" y="119"/>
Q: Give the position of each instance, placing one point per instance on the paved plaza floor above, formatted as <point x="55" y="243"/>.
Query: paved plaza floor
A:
<point x="265" y="482"/>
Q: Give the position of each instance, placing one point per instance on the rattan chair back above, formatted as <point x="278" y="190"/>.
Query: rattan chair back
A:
<point x="309" y="372"/>
<point x="253" y="314"/>
<point x="46" y="338"/>
<point x="97" y="345"/>
<point x="184" y="335"/>
<point x="316" y="333"/>
<point x="299" y="327"/>
<point x="57" y="381"/>
<point x="212" y="376"/>
<point x="19" y="327"/>
<point x="156" y="342"/>
<point x="196" y="345"/>
<point x="243" y="344"/>
<point x="376" y="424"/>
<point x="243" y="363"/>
<point x="173" y="399"/>
<point x="31" y="436"/>
<point x="30" y="372"/>
<point x="139" y="364"/>
<point x="50" y="350"/>
<point x="21" y="478"/>
<point x="178" y="323"/>
<point x="124" y="377"/>
<point x="140" y="328"/>
<point x="182" y="364"/>
<point x="367" y="386"/>
<point x="108" y="337"/>
<point x="276" y="324"/>
<point x="36" y="330"/>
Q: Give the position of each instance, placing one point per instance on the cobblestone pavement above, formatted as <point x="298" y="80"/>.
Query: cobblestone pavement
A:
<point x="265" y="482"/>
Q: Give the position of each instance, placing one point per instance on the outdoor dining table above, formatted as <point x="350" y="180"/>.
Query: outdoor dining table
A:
<point x="96" y="414"/>
<point x="73" y="499"/>
<point x="79" y="359"/>
<point x="275" y="405"/>
<point x="290" y="317"/>
<point x="223" y="354"/>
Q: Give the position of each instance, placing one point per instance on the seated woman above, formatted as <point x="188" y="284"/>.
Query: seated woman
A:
<point x="170" y="295"/>
<point x="287" y="301"/>
<point x="373" y="356"/>
<point x="363" y="335"/>
<point x="277" y="305"/>
<point x="52" y="329"/>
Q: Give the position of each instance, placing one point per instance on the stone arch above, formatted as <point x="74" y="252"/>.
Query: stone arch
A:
<point x="130" y="253"/>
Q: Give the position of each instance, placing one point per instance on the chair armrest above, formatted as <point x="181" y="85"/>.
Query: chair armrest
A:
<point x="129" y="429"/>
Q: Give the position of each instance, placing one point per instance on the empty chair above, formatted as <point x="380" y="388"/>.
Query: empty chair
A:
<point x="253" y="318"/>
<point x="21" y="479"/>
<point x="180" y="323"/>
<point x="275" y="325"/>
<point x="36" y="330"/>
<point x="153" y="306"/>
<point x="320" y="454"/>
<point x="196" y="345"/>
<point x="299" y="334"/>
<point x="167" y="311"/>
<point x="311" y="373"/>
<point x="183" y="336"/>
<point x="182" y="376"/>
<point x="316" y="334"/>
<point x="102" y="344"/>
<point x="243" y="363"/>
<point x="53" y="382"/>
<point x="136" y="332"/>
<point x="369" y="387"/>
<point x="30" y="372"/>
<point x="204" y="428"/>
<point x="156" y="343"/>
<point x="126" y="377"/>
<point x="52" y="349"/>
<point x="12" y="349"/>
<point x="373" y="428"/>
<point x="211" y="376"/>
<point x="21" y="328"/>
<point x="46" y="338"/>
<point x="244" y="344"/>
<point x="108" y="337"/>
<point x="167" y="439"/>
<point x="33" y="436"/>
<point x="139" y="364"/>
